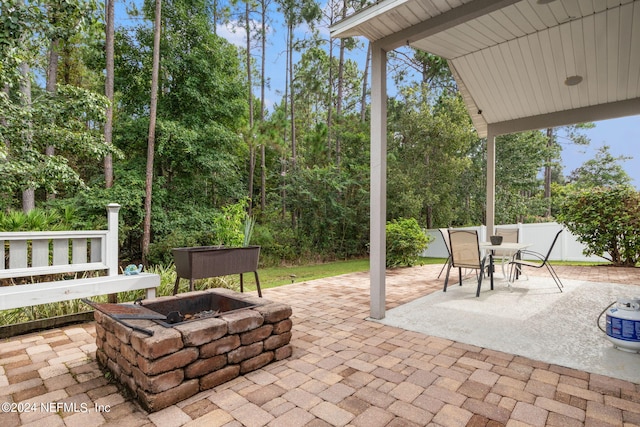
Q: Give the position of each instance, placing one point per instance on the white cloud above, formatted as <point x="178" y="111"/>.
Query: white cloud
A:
<point x="234" y="33"/>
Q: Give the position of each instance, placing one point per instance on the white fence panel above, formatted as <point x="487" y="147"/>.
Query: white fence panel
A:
<point x="540" y="236"/>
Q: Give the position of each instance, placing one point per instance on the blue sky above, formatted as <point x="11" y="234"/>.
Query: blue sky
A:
<point x="623" y="137"/>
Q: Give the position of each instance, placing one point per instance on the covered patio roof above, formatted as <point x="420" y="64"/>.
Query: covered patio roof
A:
<point x="519" y="65"/>
<point x="512" y="58"/>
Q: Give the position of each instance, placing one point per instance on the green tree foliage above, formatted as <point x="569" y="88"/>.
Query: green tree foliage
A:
<point x="519" y="159"/>
<point x="405" y="242"/>
<point x="67" y="120"/>
<point x="432" y="71"/>
<point x="329" y="204"/>
<point x="205" y="145"/>
<point x="73" y="29"/>
<point x="427" y="158"/>
<point x="321" y="141"/>
<point x="602" y="171"/>
<point x="19" y="23"/>
<point x="200" y="155"/>
<point x="573" y="134"/>
<point x="607" y="221"/>
<point x="519" y="189"/>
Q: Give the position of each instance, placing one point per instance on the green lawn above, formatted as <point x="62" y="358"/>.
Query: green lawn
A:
<point x="277" y="276"/>
<point x="272" y="277"/>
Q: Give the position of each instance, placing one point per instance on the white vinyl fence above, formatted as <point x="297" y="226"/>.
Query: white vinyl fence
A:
<point x="540" y="236"/>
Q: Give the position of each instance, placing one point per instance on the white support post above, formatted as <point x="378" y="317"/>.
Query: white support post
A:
<point x="564" y="245"/>
<point x="111" y="253"/>
<point x="491" y="181"/>
<point x="377" y="257"/>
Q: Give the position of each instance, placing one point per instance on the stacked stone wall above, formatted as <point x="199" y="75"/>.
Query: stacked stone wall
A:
<point x="175" y="363"/>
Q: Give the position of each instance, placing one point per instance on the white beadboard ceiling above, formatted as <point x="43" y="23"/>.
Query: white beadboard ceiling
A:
<point x="511" y="57"/>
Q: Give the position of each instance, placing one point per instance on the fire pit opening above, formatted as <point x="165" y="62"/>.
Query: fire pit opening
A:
<point x="163" y="363"/>
<point x="194" y="307"/>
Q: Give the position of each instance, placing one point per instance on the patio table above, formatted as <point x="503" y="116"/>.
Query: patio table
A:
<point x="512" y="248"/>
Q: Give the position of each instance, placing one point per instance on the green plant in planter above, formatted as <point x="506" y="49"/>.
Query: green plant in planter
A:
<point x="249" y="223"/>
<point x="232" y="226"/>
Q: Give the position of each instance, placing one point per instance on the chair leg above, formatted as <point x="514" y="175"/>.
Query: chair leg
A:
<point x="447" y="262"/>
<point x="555" y="276"/>
<point x="446" y="279"/>
<point x="460" y="275"/>
<point x="480" y="280"/>
<point x="512" y="272"/>
<point x="516" y="272"/>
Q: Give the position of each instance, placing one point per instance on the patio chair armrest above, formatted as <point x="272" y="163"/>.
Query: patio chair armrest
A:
<point x="526" y="252"/>
<point x="515" y="256"/>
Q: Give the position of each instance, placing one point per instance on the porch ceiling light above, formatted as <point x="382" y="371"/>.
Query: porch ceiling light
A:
<point x="573" y="80"/>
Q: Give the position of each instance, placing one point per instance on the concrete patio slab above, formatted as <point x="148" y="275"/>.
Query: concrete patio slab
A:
<point x="532" y="319"/>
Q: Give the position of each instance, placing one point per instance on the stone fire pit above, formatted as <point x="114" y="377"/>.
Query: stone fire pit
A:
<point x="182" y="359"/>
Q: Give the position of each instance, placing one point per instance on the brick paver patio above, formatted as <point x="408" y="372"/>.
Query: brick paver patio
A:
<point x="344" y="371"/>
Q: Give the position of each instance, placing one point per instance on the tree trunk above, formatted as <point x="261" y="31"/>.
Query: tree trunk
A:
<point x="52" y="66"/>
<point x="263" y="171"/>
<point x="215" y="17"/>
<point x="108" y="91"/>
<point x="247" y="23"/>
<point x="283" y="157"/>
<point x="365" y="79"/>
<point x="263" y="183"/>
<point x="3" y="120"/>
<point x="28" y="195"/>
<point x="283" y="192"/>
<point x="330" y="94"/>
<point x="291" y="94"/>
<point x="52" y="80"/>
<point x="340" y="99"/>
<point x="250" y="138"/>
<point x="146" y="236"/>
<point x="252" y="169"/>
<point x="547" y="174"/>
<point x="330" y="101"/>
<point x="263" y="50"/>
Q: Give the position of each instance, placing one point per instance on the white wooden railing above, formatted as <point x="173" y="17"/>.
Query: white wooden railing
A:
<point x="25" y="255"/>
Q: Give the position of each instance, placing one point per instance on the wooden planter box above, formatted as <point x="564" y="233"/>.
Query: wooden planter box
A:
<point x="200" y="262"/>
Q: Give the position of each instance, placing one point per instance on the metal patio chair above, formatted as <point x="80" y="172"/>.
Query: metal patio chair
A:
<point x="509" y="235"/>
<point x="540" y="261"/>
<point x="445" y="237"/>
<point x="465" y="253"/>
